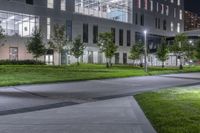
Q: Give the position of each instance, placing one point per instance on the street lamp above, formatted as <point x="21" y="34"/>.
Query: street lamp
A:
<point x="145" y="50"/>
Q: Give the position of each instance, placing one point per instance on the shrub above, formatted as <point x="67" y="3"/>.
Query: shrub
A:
<point x="21" y="62"/>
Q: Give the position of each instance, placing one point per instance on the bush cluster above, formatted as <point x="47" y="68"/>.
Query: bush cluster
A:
<point x="21" y="62"/>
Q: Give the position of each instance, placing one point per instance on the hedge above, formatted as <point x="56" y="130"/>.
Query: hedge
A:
<point x="21" y="62"/>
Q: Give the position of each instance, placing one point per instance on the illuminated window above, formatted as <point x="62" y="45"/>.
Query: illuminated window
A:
<point x="146" y="4"/>
<point x="50" y="3"/>
<point x="18" y="24"/>
<point x="172" y="26"/>
<point x="178" y="2"/>
<point x="167" y="10"/>
<point x="162" y="10"/>
<point x="48" y="28"/>
<point x="63" y="5"/>
<point x="178" y="27"/>
<point x="181" y="15"/>
<point x="139" y="3"/>
<point x="151" y="2"/>
<point x="118" y="10"/>
<point x="157" y="6"/>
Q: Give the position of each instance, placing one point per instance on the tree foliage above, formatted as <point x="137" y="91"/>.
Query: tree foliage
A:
<point x="2" y="36"/>
<point x="197" y="50"/>
<point x="107" y="46"/>
<point x="136" y="51"/>
<point x="58" y="39"/>
<point x="163" y="51"/>
<point x="180" y="47"/>
<point x="35" y="44"/>
<point x="77" y="49"/>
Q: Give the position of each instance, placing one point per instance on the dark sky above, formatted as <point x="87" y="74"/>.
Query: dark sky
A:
<point x="192" y="5"/>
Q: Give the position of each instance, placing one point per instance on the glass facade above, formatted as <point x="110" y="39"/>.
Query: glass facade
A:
<point x="119" y="10"/>
<point x="18" y="24"/>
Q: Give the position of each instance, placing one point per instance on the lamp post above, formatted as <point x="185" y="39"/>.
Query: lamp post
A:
<point x="145" y="51"/>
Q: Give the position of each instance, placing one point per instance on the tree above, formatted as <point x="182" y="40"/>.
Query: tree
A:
<point x="162" y="52"/>
<point x="197" y="50"/>
<point x="58" y="40"/>
<point x="179" y="47"/>
<point x="2" y="36"/>
<point x="107" y="46"/>
<point x="136" y="51"/>
<point x="77" y="49"/>
<point x="35" y="44"/>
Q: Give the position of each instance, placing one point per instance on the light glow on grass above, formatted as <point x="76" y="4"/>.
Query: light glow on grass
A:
<point x="175" y="110"/>
<point x="16" y="75"/>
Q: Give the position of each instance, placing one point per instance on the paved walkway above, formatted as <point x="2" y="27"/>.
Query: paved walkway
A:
<point x="37" y="97"/>
<point x="122" y="115"/>
<point x="45" y="108"/>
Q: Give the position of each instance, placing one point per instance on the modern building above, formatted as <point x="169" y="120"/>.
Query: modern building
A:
<point x="126" y="19"/>
<point x="191" y="21"/>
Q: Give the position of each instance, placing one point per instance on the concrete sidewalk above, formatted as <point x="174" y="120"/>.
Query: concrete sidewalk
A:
<point x="27" y="98"/>
<point x="122" y="115"/>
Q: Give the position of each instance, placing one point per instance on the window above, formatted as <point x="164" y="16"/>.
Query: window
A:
<point x="85" y="33"/>
<point x="178" y="27"/>
<point x="18" y="24"/>
<point x="63" y="5"/>
<point x="121" y="37"/>
<point x="49" y="57"/>
<point x="128" y="38"/>
<point x="13" y="53"/>
<point x="95" y="34"/>
<point x="118" y="10"/>
<point x="151" y="2"/>
<point x="167" y="10"/>
<point x="29" y="2"/>
<point x="158" y="23"/>
<point x="181" y="15"/>
<point x="164" y="25"/>
<point x="146" y="4"/>
<point x="136" y="18"/>
<point x="113" y="33"/>
<point x="50" y="3"/>
<point x="48" y="28"/>
<point x="172" y="26"/>
<point x="157" y="7"/>
<point x="174" y="12"/>
<point x="162" y="9"/>
<point x="138" y="3"/>
<point x="178" y="2"/>
<point x="142" y="20"/>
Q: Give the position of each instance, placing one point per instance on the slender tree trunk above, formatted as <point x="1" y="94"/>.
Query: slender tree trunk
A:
<point x="110" y="63"/>
<point x="77" y="61"/>
<point x="163" y="64"/>
<point x="176" y="60"/>
<point x="181" y="64"/>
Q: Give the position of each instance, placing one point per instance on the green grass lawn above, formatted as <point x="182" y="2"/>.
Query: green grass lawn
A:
<point x="172" y="110"/>
<point x="16" y="75"/>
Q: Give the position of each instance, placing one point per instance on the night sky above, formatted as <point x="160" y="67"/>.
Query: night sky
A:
<point x="193" y="5"/>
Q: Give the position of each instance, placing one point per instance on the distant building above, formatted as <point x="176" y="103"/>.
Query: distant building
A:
<point x="126" y="19"/>
<point x="191" y="20"/>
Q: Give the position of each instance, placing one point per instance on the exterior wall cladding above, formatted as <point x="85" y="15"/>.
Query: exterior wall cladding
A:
<point x="147" y="15"/>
